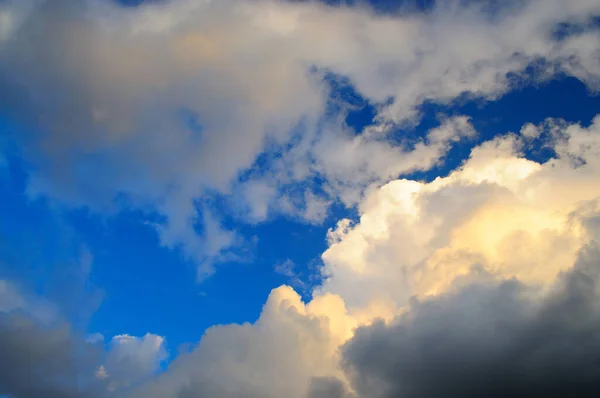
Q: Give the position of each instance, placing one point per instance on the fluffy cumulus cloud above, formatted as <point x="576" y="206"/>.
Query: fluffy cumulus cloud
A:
<point x="130" y="360"/>
<point x="499" y="211"/>
<point x="482" y="282"/>
<point x="158" y="105"/>
<point x="276" y="356"/>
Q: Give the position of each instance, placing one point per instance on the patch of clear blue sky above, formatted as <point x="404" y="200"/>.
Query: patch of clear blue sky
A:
<point x="149" y="288"/>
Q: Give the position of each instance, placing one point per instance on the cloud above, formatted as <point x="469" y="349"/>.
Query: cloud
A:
<point x="44" y="355"/>
<point x="154" y="106"/>
<point x="492" y="336"/>
<point x="41" y="360"/>
<point x="328" y="387"/>
<point x="286" y="268"/>
<point x="511" y="216"/>
<point x="278" y="355"/>
<point x="131" y="360"/>
<point x="54" y="360"/>
<point x="500" y="339"/>
<point x="13" y="299"/>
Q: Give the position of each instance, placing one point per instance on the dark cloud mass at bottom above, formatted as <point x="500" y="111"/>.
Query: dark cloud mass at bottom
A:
<point x="488" y="340"/>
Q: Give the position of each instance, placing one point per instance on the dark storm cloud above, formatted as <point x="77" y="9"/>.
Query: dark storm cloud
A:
<point x="488" y="340"/>
<point x="42" y="362"/>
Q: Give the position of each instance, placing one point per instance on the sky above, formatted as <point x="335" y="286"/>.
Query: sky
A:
<point x="303" y="199"/>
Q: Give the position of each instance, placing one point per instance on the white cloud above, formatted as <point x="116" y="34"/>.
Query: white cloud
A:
<point x="499" y="211"/>
<point x="274" y="357"/>
<point x="131" y="360"/>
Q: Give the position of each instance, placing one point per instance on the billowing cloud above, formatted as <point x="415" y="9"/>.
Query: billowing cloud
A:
<point x="276" y="356"/>
<point x="154" y="106"/>
<point x="494" y="340"/>
<point x="131" y="360"/>
<point x="510" y="216"/>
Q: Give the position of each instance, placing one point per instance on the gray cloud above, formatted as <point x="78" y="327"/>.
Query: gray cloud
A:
<point x="488" y="340"/>
<point x="210" y="389"/>
<point x="43" y="361"/>
<point x="328" y="387"/>
<point x="42" y="355"/>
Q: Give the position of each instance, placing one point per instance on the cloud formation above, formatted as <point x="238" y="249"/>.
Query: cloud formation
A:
<point x="276" y="356"/>
<point x="511" y="216"/>
<point x="493" y="340"/>
<point x="131" y="360"/>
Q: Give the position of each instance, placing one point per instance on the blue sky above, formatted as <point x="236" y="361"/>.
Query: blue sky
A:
<point x="121" y="217"/>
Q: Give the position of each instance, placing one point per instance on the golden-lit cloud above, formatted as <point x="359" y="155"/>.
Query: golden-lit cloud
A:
<point x="507" y="215"/>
